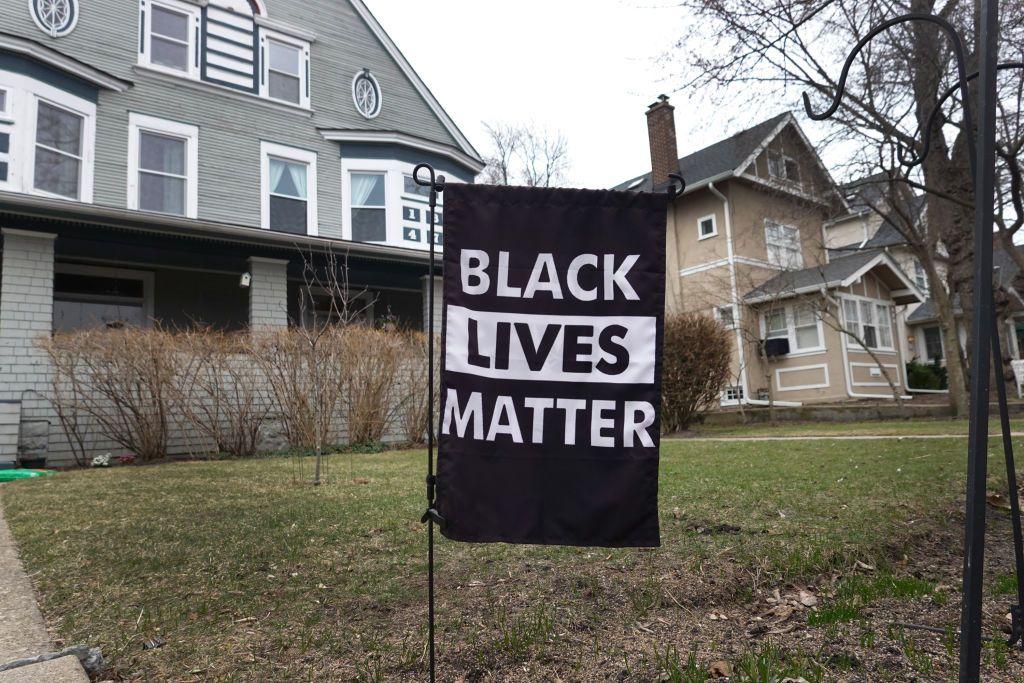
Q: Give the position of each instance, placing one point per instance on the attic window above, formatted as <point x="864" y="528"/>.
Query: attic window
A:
<point x="782" y="167"/>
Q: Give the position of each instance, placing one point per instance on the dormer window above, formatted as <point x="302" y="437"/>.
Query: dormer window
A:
<point x="285" y="76"/>
<point x="782" y="167"/>
<point x="170" y="36"/>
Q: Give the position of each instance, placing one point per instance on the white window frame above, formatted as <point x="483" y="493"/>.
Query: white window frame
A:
<point x="700" y="228"/>
<point x="351" y="206"/>
<point x="921" y="277"/>
<point x="139" y="123"/>
<point x="293" y="154"/>
<point x="195" y="16"/>
<point x="7" y="111"/>
<point x="23" y="95"/>
<point x="305" y="87"/>
<point x="789" y="313"/>
<point x="768" y="243"/>
<point x="395" y="194"/>
<point x="146" y="277"/>
<point x="858" y="325"/>
<point x="78" y="107"/>
<point x="729" y="324"/>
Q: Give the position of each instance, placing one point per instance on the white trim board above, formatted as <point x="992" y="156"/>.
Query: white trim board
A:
<point x="883" y="383"/>
<point x="385" y="137"/>
<point x="802" y="368"/>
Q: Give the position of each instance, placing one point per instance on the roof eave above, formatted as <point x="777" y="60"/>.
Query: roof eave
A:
<point x="58" y="60"/>
<point x="174" y="226"/>
<point x="347" y="135"/>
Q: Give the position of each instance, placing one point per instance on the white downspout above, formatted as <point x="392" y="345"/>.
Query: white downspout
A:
<point x="734" y="290"/>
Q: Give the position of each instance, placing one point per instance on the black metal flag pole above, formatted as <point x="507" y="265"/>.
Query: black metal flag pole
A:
<point x="982" y="326"/>
<point x="431" y="516"/>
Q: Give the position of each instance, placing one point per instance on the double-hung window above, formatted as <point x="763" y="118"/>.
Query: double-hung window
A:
<point x="870" y="322"/>
<point x="163" y="166"/>
<point x="806" y="332"/>
<point x="369" y="207"/>
<point x="285" y="73"/>
<point x="47" y="139"/>
<point x="783" y="243"/>
<point x="933" y="343"/>
<point x="59" y="151"/>
<point x="289" y="190"/>
<point x="776" y="326"/>
<point x="799" y="324"/>
<point x="170" y="39"/>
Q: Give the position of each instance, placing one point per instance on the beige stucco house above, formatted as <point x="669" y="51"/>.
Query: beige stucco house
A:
<point x="746" y="243"/>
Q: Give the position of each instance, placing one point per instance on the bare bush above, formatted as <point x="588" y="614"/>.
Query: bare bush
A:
<point x="223" y="397"/>
<point x="695" y="367"/>
<point x="305" y="381"/>
<point x="414" y="414"/>
<point x="370" y="398"/>
<point x="122" y="381"/>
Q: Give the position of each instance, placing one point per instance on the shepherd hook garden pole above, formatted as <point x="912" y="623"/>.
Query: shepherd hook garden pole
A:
<point x="981" y="353"/>
<point x="436" y="185"/>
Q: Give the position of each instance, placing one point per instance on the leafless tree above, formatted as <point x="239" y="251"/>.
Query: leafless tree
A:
<point x="774" y="49"/>
<point x="525" y="155"/>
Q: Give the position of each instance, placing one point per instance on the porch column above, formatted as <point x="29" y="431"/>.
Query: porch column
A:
<point x="26" y="314"/>
<point x="268" y="293"/>
<point x="425" y="288"/>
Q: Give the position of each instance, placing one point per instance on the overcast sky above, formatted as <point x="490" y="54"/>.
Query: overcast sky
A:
<point x="587" y="68"/>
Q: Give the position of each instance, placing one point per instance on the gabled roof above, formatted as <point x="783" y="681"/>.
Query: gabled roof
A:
<point x="414" y="78"/>
<point x="841" y="272"/>
<point x="725" y="157"/>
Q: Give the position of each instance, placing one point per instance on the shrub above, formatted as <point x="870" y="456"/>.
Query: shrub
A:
<point x="306" y="373"/>
<point x="221" y="395"/>
<point x="370" y="398"/>
<point x="926" y="376"/>
<point x="121" y="380"/>
<point x="695" y="367"/>
<point x="414" y="414"/>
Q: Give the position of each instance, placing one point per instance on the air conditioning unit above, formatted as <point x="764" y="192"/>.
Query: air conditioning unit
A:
<point x="776" y="347"/>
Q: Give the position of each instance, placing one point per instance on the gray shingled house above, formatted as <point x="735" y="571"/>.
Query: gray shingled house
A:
<point x="154" y="152"/>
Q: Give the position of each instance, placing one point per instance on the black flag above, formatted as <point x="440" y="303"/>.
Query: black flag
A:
<point x="551" y="366"/>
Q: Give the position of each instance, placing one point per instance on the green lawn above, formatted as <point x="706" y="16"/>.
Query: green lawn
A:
<point x="240" y="570"/>
<point x="917" y="426"/>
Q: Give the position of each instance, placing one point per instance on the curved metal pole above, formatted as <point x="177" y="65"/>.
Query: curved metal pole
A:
<point x="982" y="159"/>
<point x="926" y="136"/>
<point x="674" y="180"/>
<point x="958" y="52"/>
<point x="436" y="185"/>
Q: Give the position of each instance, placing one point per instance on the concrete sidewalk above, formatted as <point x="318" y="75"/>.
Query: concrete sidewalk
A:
<point x="22" y="629"/>
<point x="844" y="437"/>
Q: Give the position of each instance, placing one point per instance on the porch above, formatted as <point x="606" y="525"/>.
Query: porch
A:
<point x="65" y="273"/>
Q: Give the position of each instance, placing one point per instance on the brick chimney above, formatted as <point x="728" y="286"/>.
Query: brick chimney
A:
<point x="661" y="130"/>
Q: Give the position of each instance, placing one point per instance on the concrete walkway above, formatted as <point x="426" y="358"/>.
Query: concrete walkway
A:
<point x="22" y="629"/>
<point x="864" y="437"/>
